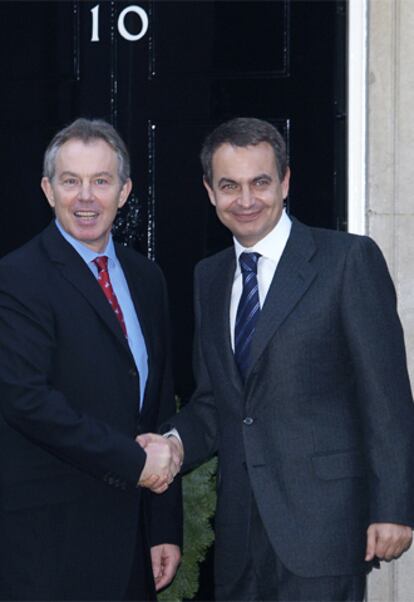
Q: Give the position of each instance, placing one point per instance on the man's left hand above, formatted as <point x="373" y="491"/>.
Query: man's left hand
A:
<point x="387" y="541"/>
<point x="165" y="560"/>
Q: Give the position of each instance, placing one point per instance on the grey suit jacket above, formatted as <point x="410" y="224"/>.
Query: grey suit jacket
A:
<point x="323" y="430"/>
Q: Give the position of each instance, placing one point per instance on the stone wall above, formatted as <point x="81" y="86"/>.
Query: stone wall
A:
<point x="390" y="199"/>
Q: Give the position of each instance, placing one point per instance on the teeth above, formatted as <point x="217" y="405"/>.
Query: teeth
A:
<point x="85" y="214"/>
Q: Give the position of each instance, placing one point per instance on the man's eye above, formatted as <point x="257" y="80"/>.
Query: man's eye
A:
<point x="101" y="181"/>
<point x="262" y="182"/>
<point x="70" y="181"/>
<point x="229" y="186"/>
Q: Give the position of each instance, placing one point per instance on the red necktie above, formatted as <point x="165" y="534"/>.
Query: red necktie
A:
<point x="103" y="279"/>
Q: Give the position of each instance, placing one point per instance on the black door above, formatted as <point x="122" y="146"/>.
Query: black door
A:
<point x="165" y="73"/>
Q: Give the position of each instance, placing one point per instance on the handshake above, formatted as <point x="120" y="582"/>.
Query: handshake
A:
<point x="164" y="459"/>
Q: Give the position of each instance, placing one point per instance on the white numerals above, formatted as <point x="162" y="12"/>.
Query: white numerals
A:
<point x="122" y="30"/>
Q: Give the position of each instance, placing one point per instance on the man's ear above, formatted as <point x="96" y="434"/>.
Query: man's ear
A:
<point x="46" y="186"/>
<point x="285" y="183"/>
<point x="210" y="191"/>
<point x="125" y="192"/>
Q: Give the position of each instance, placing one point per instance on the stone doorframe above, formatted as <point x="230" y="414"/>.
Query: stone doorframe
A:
<point x="381" y="180"/>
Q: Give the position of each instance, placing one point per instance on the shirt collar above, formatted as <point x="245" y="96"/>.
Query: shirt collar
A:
<point x="273" y="244"/>
<point x="85" y="252"/>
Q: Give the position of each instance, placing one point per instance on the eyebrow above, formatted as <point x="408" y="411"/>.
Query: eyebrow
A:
<point x="262" y="176"/>
<point x="226" y="181"/>
<point x="95" y="175"/>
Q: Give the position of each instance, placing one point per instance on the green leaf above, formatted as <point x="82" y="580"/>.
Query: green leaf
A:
<point x="199" y="496"/>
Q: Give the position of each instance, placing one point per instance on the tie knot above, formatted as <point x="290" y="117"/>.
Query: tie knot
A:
<point x="101" y="263"/>
<point x="248" y="262"/>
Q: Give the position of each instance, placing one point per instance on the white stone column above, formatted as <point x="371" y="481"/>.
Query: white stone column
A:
<point x="390" y="199"/>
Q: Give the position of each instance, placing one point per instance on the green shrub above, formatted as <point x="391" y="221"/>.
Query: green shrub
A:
<point x="199" y="498"/>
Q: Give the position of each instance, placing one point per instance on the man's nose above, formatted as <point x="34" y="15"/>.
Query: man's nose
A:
<point x="85" y="191"/>
<point x="246" y="197"/>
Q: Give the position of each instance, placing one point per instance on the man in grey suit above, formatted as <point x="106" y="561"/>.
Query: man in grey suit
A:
<point x="302" y="389"/>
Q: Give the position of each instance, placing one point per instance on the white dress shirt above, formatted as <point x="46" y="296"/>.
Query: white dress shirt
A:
<point x="270" y="248"/>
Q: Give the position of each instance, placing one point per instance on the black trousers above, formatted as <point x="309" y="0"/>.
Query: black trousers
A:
<point x="266" y="578"/>
<point x="141" y="586"/>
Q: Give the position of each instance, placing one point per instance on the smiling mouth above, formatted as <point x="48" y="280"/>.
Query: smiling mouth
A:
<point x="246" y="217"/>
<point x="86" y="215"/>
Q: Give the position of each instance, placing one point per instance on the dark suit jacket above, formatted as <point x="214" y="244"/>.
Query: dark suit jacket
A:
<point x="69" y="505"/>
<point x="323" y="430"/>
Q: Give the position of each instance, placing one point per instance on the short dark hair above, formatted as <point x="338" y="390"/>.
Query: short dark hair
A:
<point x="244" y="131"/>
<point x="87" y="130"/>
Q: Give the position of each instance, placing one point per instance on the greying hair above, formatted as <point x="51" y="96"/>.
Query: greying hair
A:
<point x="243" y="131"/>
<point x="88" y="130"/>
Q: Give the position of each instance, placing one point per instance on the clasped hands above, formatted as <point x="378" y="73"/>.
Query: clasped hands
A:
<point x="164" y="459"/>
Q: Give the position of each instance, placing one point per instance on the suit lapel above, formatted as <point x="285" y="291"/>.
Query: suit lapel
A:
<point x="75" y="271"/>
<point x="292" y="278"/>
<point x="219" y="296"/>
<point x="143" y="310"/>
<point x="142" y="302"/>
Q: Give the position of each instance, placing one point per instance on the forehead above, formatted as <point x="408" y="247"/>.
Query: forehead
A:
<point x="243" y="161"/>
<point x="80" y="157"/>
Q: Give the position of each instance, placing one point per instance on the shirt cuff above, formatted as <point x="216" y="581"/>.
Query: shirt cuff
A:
<point x="173" y="433"/>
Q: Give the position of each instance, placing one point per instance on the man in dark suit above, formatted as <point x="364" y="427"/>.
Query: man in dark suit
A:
<point x="302" y="389"/>
<point x="84" y="368"/>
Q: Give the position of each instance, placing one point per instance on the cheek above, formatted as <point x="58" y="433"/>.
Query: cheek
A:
<point x="62" y="202"/>
<point x="224" y="204"/>
<point x="109" y="211"/>
<point x="58" y="208"/>
<point x="223" y="213"/>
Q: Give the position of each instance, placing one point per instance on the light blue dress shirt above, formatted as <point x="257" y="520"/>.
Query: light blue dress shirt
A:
<point x="136" y="340"/>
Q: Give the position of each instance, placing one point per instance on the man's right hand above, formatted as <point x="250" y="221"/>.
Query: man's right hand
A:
<point x="164" y="459"/>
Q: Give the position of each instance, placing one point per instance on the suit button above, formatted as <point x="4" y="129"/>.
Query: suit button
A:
<point x="248" y="421"/>
<point x="132" y="372"/>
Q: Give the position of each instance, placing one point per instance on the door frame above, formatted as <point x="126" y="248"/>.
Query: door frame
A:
<point x="357" y="115"/>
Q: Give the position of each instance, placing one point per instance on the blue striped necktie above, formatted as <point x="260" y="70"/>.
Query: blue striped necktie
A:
<point x="247" y="311"/>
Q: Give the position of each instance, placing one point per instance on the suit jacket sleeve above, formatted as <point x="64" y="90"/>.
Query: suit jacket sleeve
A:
<point x="29" y="402"/>
<point x="376" y="345"/>
<point x="197" y="421"/>
<point x="166" y="509"/>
